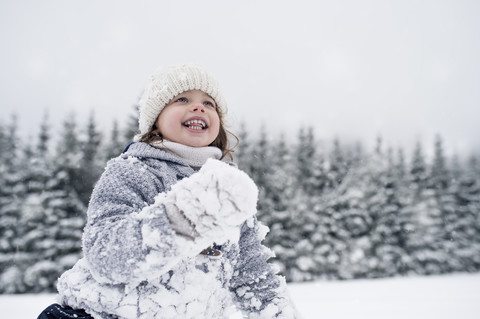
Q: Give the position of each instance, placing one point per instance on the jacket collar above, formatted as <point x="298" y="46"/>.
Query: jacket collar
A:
<point x="144" y="150"/>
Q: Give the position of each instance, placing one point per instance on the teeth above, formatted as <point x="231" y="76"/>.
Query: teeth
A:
<point x="193" y="124"/>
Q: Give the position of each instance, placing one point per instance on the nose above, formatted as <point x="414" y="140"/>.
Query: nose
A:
<point x="198" y="107"/>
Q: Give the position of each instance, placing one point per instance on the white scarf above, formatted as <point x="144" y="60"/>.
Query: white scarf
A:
<point x="193" y="156"/>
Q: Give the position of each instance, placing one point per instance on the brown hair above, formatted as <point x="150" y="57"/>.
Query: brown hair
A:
<point x="221" y="141"/>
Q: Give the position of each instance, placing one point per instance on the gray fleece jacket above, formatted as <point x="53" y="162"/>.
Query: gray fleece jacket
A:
<point x="136" y="265"/>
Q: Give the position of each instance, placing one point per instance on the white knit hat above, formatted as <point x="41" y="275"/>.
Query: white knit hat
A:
<point x="168" y="82"/>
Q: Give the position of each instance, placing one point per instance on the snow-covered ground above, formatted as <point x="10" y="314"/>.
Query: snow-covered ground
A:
<point x="439" y="297"/>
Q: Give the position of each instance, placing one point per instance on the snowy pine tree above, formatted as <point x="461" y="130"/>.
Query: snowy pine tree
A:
<point x="440" y="180"/>
<point x="387" y="233"/>
<point x="260" y="169"/>
<point x="12" y="194"/>
<point x="337" y="165"/>
<point x="281" y="184"/>
<point x="91" y="161"/>
<point x="355" y="220"/>
<point x="115" y="144"/>
<point x="131" y="126"/>
<point x="243" y="150"/>
<point x="303" y="215"/>
<point x="463" y="227"/>
<point x="424" y="243"/>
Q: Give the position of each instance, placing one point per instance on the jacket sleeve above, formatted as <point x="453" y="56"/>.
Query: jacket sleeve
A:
<point x="257" y="290"/>
<point x="112" y="241"/>
<point x="128" y="237"/>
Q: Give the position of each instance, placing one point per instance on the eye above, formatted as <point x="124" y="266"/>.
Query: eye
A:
<point x="182" y="99"/>
<point x="209" y="103"/>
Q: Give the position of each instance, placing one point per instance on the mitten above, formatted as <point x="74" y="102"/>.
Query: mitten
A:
<point x="214" y="201"/>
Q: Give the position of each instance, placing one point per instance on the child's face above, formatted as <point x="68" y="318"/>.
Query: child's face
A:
<point x="190" y="118"/>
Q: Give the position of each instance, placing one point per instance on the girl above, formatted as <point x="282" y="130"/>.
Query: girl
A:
<point x="171" y="229"/>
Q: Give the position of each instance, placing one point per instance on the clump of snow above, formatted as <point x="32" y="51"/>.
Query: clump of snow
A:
<point x="216" y="200"/>
<point x="262" y="231"/>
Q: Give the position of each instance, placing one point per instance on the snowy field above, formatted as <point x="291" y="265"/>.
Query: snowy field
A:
<point x="440" y="297"/>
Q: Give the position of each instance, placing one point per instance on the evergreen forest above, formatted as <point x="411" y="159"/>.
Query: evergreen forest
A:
<point x="335" y="211"/>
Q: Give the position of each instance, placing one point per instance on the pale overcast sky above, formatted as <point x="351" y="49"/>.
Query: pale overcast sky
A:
<point x="353" y="69"/>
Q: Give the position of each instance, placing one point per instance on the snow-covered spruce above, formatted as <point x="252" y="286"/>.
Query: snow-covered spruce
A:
<point x="137" y="266"/>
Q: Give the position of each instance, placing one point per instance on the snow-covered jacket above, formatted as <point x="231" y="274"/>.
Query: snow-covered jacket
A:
<point x="136" y="266"/>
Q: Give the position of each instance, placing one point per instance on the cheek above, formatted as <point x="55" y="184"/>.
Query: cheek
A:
<point x="160" y="124"/>
<point x="215" y="125"/>
<point x="167" y="121"/>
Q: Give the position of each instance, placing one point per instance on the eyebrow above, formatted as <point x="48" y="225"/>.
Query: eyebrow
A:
<point x="208" y="95"/>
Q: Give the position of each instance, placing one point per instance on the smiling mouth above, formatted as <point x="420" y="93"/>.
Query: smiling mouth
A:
<point x="196" y="124"/>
